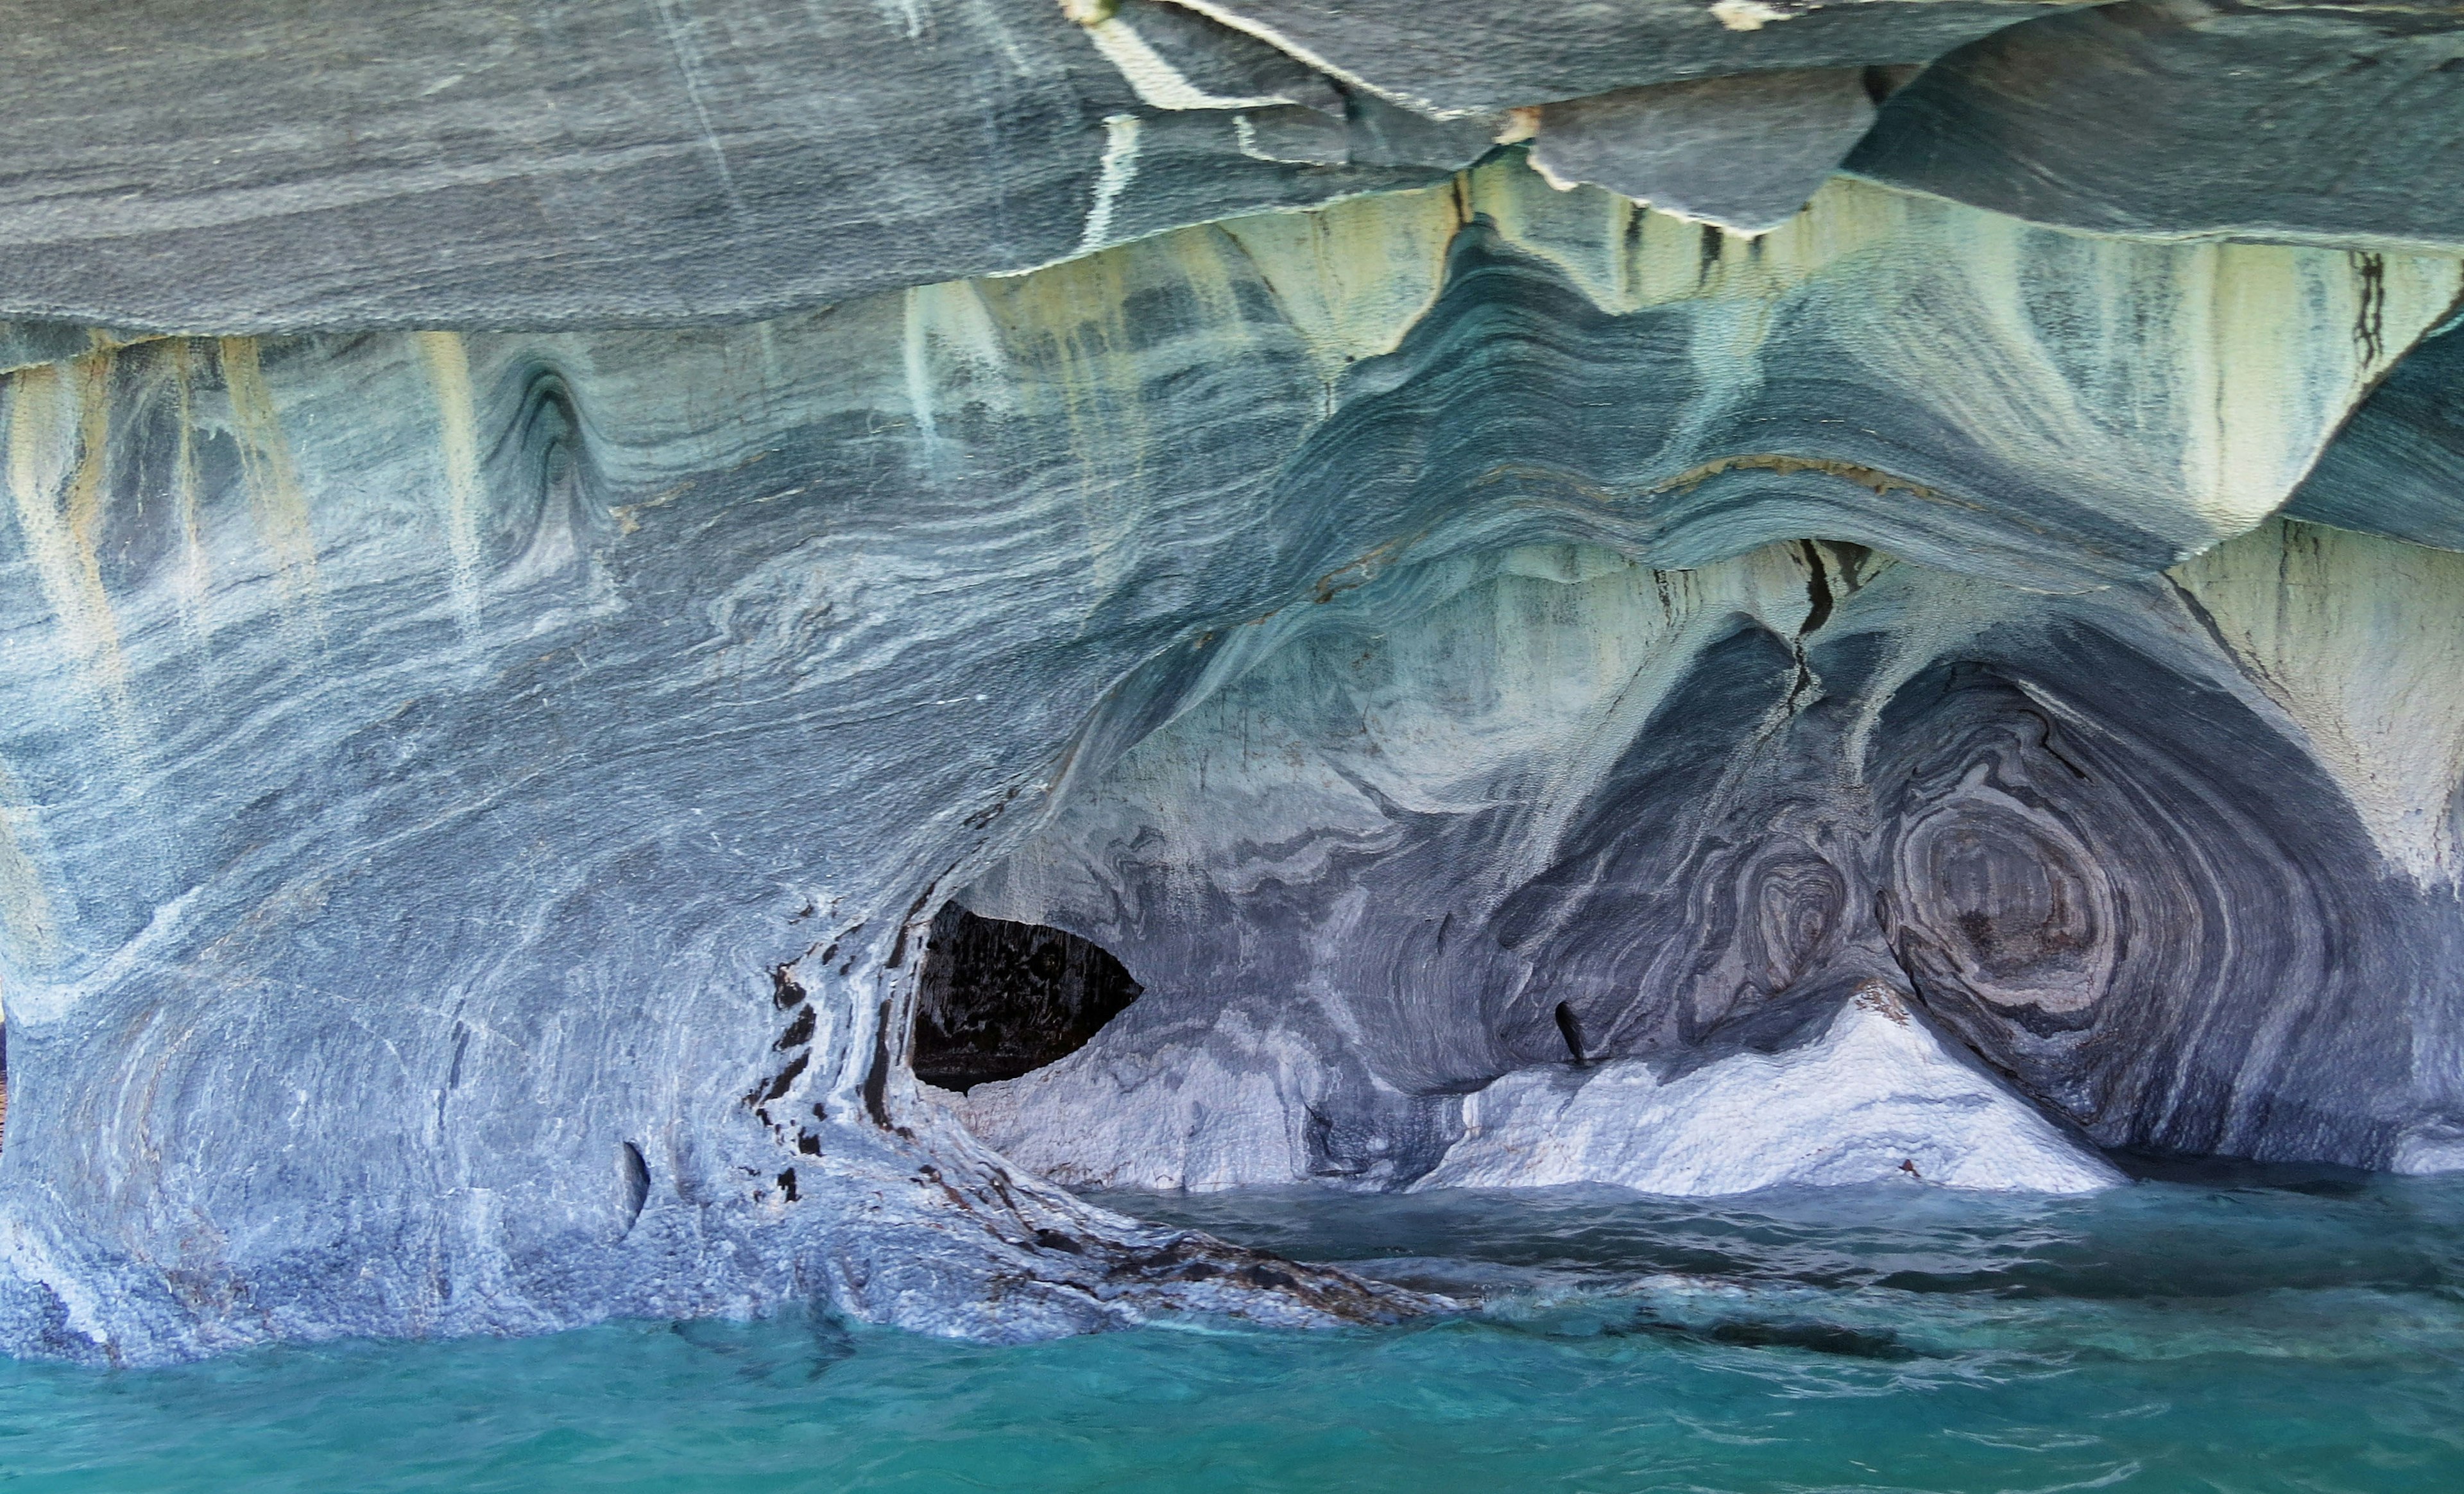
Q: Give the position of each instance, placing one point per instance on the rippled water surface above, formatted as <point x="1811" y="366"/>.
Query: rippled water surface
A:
<point x="2201" y="1330"/>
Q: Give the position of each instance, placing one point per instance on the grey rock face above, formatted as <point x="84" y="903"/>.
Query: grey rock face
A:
<point x="592" y="163"/>
<point x="2391" y="470"/>
<point x="1451" y="57"/>
<point x="1511" y="672"/>
<point x="1743" y="152"/>
<point x="2332" y="122"/>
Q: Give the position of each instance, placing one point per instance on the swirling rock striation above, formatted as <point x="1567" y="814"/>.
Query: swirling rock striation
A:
<point x="1510" y="672"/>
<point x="2111" y="843"/>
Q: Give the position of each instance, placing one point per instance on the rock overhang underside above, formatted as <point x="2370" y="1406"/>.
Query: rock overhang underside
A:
<point x="666" y="663"/>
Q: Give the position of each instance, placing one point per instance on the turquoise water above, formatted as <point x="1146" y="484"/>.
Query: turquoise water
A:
<point x="2230" y="1331"/>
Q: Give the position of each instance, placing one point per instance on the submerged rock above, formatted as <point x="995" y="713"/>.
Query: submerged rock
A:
<point x="1493" y="666"/>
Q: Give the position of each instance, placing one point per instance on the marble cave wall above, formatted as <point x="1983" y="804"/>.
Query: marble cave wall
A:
<point x="1694" y="596"/>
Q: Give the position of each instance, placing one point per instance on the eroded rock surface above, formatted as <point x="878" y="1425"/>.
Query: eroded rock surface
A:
<point x="1462" y="835"/>
<point x="1513" y="674"/>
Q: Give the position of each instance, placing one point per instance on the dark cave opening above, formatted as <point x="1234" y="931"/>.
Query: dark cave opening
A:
<point x="996" y="999"/>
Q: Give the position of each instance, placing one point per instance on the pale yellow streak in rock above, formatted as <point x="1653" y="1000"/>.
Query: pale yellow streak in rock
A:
<point x="952" y="354"/>
<point x="1581" y="232"/>
<point x="85" y="505"/>
<point x="1563" y="676"/>
<point x="917" y="357"/>
<point x="196" y="572"/>
<point x="1846" y="220"/>
<point x="448" y="363"/>
<point x="2238" y="305"/>
<point x="2242" y="358"/>
<point x="49" y="452"/>
<point x="275" y="500"/>
<point x="1214" y="268"/>
<point x="1352" y="278"/>
<point x="2282" y="343"/>
<point x="1625" y="256"/>
<point x="1667" y="259"/>
<point x="2361" y="640"/>
<point x="1070" y="318"/>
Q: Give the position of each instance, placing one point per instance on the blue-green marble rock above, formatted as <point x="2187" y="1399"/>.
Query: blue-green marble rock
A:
<point x="542" y="552"/>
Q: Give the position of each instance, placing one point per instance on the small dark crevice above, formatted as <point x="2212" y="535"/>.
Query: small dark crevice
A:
<point x="905" y="926"/>
<point x="996" y="999"/>
<point x="787" y="1184"/>
<point x="2370" y="320"/>
<point x="1818" y="603"/>
<point x="798" y="1033"/>
<point x="1570" y="1029"/>
<point x="876" y="1079"/>
<point x="1818" y="589"/>
<point x="634" y="1172"/>
<point x="2052" y="749"/>
<point x="1319" y="1129"/>
<point x="453" y="1074"/>
<point x="786" y="994"/>
<point x="787" y="1076"/>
